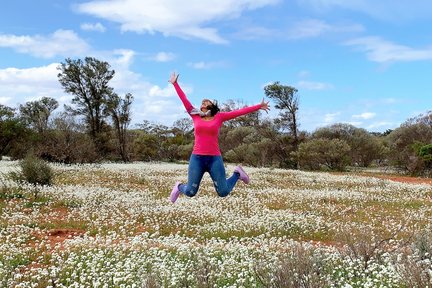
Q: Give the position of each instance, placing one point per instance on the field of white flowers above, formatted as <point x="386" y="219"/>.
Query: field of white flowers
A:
<point x="112" y="225"/>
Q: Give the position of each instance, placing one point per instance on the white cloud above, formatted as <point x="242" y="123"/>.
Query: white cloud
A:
<point x="309" y="85"/>
<point x="308" y="28"/>
<point x="61" y="42"/>
<point x="365" y="115"/>
<point x="5" y="101"/>
<point x="303" y="74"/>
<point x="330" y="117"/>
<point x="29" y="84"/>
<point x="382" y="124"/>
<point x="382" y="51"/>
<point x="163" y="57"/>
<point x="122" y="57"/>
<point x="14" y="76"/>
<point x="98" y="27"/>
<point x="171" y="18"/>
<point x="207" y="65"/>
<point x="156" y="91"/>
<point x="251" y="32"/>
<point x="354" y="123"/>
<point x="311" y="28"/>
<point x="159" y="104"/>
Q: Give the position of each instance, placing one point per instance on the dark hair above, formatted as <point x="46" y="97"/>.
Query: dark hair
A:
<point x="214" y="108"/>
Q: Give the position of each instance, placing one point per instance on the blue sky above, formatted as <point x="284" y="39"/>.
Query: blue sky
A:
<point x="363" y="62"/>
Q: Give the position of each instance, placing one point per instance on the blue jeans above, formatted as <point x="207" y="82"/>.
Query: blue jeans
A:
<point x="198" y="165"/>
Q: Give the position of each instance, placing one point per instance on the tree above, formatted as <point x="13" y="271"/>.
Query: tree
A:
<point x="68" y="142"/>
<point x="145" y="146"/>
<point x="12" y="131"/>
<point x="321" y="152"/>
<point x="183" y="128"/>
<point x="37" y="113"/>
<point x="365" y="147"/>
<point x="119" y="111"/>
<point x="250" y="119"/>
<point x="6" y="113"/>
<point x="403" y="144"/>
<point x="425" y="119"/>
<point x="88" y="82"/>
<point x="287" y="101"/>
<point x="425" y="153"/>
<point x="163" y="135"/>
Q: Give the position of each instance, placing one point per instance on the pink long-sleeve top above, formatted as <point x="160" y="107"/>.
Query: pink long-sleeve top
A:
<point x="207" y="131"/>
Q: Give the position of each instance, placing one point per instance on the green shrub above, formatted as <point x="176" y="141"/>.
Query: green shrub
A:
<point x="323" y="153"/>
<point x="34" y="171"/>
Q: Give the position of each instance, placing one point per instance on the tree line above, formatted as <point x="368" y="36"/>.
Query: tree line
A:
<point x="94" y="127"/>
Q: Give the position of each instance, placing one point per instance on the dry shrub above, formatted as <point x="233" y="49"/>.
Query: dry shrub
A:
<point x="415" y="267"/>
<point x="366" y="245"/>
<point x="302" y="268"/>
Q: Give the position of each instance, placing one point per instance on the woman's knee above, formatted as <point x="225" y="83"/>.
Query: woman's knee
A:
<point x="223" y="192"/>
<point x="191" y="192"/>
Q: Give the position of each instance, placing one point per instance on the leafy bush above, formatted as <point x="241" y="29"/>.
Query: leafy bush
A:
<point x="322" y="153"/>
<point x="425" y="152"/>
<point x="365" y="147"/>
<point x="405" y="143"/>
<point x="34" y="171"/>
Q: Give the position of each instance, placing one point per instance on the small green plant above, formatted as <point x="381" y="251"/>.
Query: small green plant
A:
<point x="8" y="193"/>
<point x="34" y="171"/>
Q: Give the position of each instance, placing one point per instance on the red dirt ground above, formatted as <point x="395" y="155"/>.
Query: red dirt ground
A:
<point x="405" y="179"/>
<point x="58" y="236"/>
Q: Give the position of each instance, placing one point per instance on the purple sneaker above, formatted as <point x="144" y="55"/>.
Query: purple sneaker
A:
<point x="175" y="193"/>
<point x="243" y="176"/>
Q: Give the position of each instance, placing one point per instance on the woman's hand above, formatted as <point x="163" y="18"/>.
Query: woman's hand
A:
<point x="265" y="105"/>
<point x="173" y="78"/>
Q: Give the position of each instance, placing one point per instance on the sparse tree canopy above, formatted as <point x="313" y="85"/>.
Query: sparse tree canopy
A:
<point x="37" y="113"/>
<point x="119" y="111"/>
<point x="286" y="100"/>
<point x="425" y="119"/>
<point x="251" y="119"/>
<point x="88" y="81"/>
<point x="6" y="113"/>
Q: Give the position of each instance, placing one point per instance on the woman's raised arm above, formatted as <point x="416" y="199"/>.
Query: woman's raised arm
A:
<point x="173" y="78"/>
<point x="180" y="93"/>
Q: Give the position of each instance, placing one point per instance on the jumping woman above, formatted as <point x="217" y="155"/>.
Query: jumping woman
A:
<point x="206" y="155"/>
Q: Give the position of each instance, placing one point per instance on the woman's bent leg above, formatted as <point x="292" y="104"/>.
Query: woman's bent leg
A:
<point x="195" y="173"/>
<point x="222" y="185"/>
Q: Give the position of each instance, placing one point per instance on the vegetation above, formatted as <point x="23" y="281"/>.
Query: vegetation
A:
<point x="112" y="225"/>
<point x="95" y="100"/>
<point x="322" y="153"/>
<point x="33" y="171"/>
<point x="95" y="128"/>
